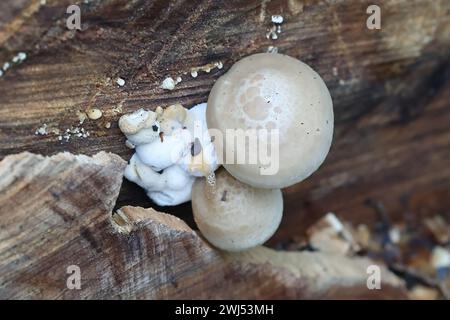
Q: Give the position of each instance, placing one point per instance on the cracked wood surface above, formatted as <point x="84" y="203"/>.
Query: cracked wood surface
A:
<point x="390" y="88"/>
<point x="57" y="211"/>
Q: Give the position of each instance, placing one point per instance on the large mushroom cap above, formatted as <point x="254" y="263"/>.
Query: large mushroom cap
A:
<point x="274" y="91"/>
<point x="235" y="216"/>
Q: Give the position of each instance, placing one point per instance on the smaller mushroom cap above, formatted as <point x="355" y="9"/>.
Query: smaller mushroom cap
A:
<point x="234" y="216"/>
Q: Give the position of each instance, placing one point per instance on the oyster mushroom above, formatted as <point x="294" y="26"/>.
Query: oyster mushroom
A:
<point x="140" y="127"/>
<point x="172" y="147"/>
<point x="274" y="91"/>
<point x="168" y="187"/>
<point x="234" y="216"/>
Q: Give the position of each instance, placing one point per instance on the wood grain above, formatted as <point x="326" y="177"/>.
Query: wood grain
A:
<point x="390" y="88"/>
<point x="55" y="212"/>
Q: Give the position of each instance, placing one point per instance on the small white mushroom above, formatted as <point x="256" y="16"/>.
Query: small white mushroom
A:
<point x="235" y="216"/>
<point x="140" y="127"/>
<point x="274" y="92"/>
<point x="94" y="114"/>
<point x="172" y="147"/>
<point x="168" y="83"/>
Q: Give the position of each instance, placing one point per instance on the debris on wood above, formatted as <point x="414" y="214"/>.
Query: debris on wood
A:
<point x="76" y="132"/>
<point x="45" y="130"/>
<point x="330" y="235"/>
<point x="168" y="83"/>
<point x="420" y="292"/>
<point x="18" y="58"/>
<point x="120" y="82"/>
<point x="439" y="228"/>
<point x="206" y="68"/>
<point x="81" y="116"/>
<point x="272" y="49"/>
<point x="277" y="19"/>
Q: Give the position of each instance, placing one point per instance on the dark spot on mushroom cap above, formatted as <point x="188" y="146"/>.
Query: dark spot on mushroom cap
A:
<point x="155" y="127"/>
<point x="196" y="147"/>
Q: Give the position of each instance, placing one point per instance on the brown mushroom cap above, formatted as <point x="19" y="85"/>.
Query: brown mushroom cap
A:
<point x="275" y="91"/>
<point x="235" y="216"/>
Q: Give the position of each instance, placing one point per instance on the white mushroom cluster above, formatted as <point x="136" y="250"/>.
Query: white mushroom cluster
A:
<point x="172" y="148"/>
<point x="242" y="206"/>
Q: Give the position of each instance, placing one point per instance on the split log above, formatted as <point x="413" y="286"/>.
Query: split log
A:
<point x="56" y="212"/>
<point x="390" y="87"/>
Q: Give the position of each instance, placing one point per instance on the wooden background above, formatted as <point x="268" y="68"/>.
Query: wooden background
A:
<point x="390" y="87"/>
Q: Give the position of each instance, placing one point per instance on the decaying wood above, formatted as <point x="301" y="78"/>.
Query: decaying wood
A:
<point x="390" y="87"/>
<point x="57" y="211"/>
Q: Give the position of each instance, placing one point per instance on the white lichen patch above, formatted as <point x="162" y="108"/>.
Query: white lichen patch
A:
<point x="172" y="148"/>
